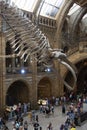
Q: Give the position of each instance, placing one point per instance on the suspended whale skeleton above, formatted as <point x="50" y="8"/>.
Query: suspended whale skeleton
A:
<point x="22" y="33"/>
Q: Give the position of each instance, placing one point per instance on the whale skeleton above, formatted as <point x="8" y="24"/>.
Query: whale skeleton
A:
<point x="22" y="33"/>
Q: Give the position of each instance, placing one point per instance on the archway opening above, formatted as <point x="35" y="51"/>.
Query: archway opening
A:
<point x="17" y="92"/>
<point x="44" y="88"/>
<point x="70" y="80"/>
<point x="81" y="78"/>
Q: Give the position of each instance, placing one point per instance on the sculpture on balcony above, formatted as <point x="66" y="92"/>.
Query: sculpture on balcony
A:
<point x="27" y="39"/>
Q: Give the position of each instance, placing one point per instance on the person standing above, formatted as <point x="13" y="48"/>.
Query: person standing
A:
<point x="25" y="125"/>
<point x="1" y="123"/>
<point x="17" y="125"/>
<point x="37" y="118"/>
<point x="52" y="109"/>
<point x="36" y="125"/>
<point x="63" y="109"/>
<point x="30" y="116"/>
<point x="73" y="127"/>
<point x="62" y="127"/>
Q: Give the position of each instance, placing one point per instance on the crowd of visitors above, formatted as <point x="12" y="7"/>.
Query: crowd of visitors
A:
<point x="70" y="106"/>
<point x="73" y="111"/>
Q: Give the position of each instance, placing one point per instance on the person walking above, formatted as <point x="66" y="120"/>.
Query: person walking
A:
<point x="50" y="127"/>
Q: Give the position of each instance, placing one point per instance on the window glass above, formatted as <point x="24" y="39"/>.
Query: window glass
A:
<point x="24" y="4"/>
<point x="49" y="10"/>
<point x="54" y="2"/>
<point x="51" y="7"/>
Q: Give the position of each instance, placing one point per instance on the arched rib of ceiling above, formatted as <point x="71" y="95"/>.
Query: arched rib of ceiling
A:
<point x="61" y="18"/>
<point x="37" y="6"/>
<point x="75" y="58"/>
<point x="76" y="21"/>
<point x="81" y="2"/>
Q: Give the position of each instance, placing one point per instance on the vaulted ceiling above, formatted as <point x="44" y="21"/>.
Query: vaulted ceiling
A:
<point x="81" y="2"/>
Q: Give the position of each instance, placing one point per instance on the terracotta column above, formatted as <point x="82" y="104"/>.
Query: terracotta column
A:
<point x="33" y="89"/>
<point x="2" y="70"/>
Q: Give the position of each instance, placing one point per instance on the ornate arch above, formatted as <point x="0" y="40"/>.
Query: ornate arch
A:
<point x="75" y="58"/>
<point x="17" y="91"/>
<point x="61" y="18"/>
<point x="75" y="25"/>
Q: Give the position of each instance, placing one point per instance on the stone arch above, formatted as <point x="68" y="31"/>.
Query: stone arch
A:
<point x="61" y="18"/>
<point x="82" y="76"/>
<point x="65" y="30"/>
<point x="75" y="25"/>
<point x="44" y="88"/>
<point x="75" y="59"/>
<point x="17" y="92"/>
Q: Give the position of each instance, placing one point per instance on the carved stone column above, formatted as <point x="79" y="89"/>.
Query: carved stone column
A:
<point x="59" y="82"/>
<point x="33" y="89"/>
<point x="2" y="70"/>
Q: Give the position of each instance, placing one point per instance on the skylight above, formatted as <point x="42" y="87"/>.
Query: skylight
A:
<point x="27" y="5"/>
<point x="47" y="7"/>
<point x="50" y="7"/>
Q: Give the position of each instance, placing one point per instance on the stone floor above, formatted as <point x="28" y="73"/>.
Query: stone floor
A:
<point x="57" y="119"/>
